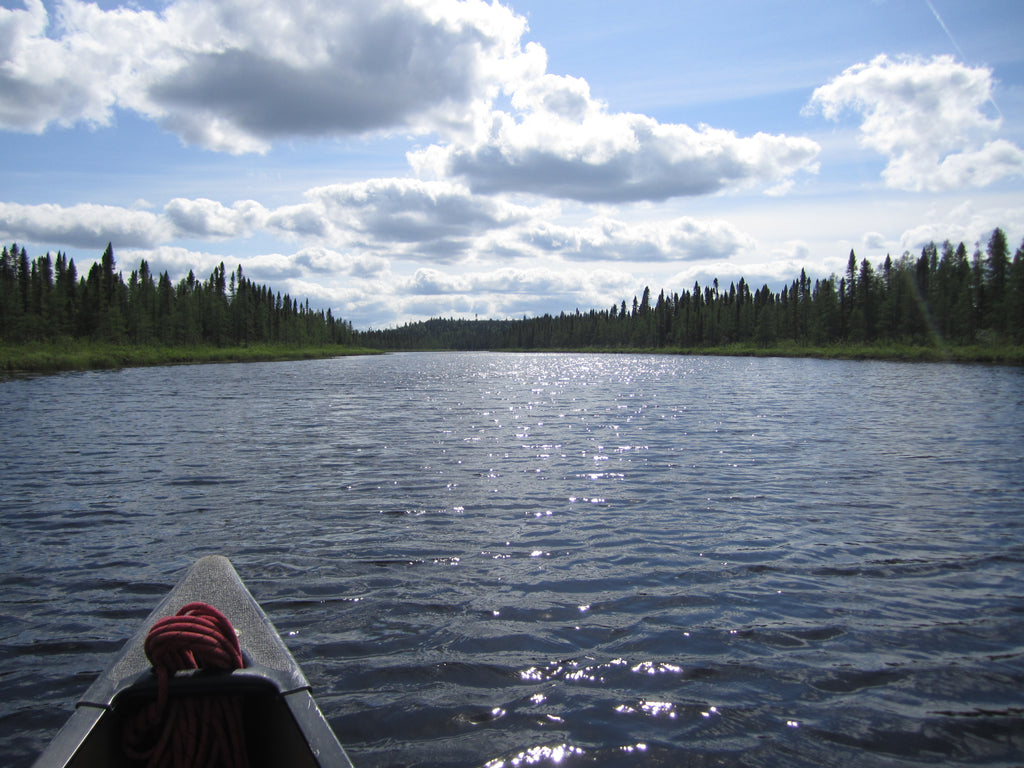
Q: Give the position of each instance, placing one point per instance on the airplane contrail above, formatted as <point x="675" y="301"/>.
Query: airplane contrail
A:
<point x="959" y="51"/>
<point x="945" y="29"/>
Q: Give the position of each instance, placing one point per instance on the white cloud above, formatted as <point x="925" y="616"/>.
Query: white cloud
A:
<point x="273" y="268"/>
<point x="561" y="142"/>
<point x="510" y="291"/>
<point x="362" y="227"/>
<point x="585" y="153"/>
<point x="318" y="261"/>
<point x="980" y="167"/>
<point x="364" y="290"/>
<point x="301" y="221"/>
<point x="210" y="219"/>
<point x="928" y="117"/>
<point x="874" y="241"/>
<point x="81" y="226"/>
<point x="505" y="280"/>
<point x="230" y="76"/>
<point x="63" y="80"/>
<point x="443" y="223"/>
<point x="174" y="260"/>
<point x="414" y="211"/>
<point x="964" y="223"/>
<point x="322" y="68"/>
<point x="560" y="95"/>
<point x="435" y="221"/>
<point x="328" y="277"/>
<point x="776" y="272"/>
<point x="607" y="239"/>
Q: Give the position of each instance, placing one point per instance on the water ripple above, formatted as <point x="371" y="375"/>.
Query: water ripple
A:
<point x="510" y="560"/>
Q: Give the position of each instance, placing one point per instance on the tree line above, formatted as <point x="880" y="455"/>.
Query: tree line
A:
<point x="943" y="296"/>
<point x="45" y="299"/>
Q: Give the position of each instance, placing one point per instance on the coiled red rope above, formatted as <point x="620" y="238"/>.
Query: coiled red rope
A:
<point x="199" y="731"/>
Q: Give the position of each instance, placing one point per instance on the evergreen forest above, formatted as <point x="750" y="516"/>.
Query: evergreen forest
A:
<point x="45" y="300"/>
<point x="943" y="298"/>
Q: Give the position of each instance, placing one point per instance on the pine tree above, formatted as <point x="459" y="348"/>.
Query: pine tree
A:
<point x="997" y="267"/>
<point x="866" y="312"/>
<point x="1015" y="297"/>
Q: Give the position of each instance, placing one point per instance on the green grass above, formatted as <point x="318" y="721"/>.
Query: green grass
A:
<point x="80" y="356"/>
<point x="1003" y="354"/>
<point x="69" y="355"/>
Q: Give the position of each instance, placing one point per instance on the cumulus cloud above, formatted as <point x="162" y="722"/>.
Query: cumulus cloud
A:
<point x="324" y="261"/>
<point x="362" y="227"/>
<point x="563" y="143"/>
<point x="414" y="211"/>
<point x="608" y="239"/>
<point x="784" y="265"/>
<point x="874" y="240"/>
<point x="966" y="223"/>
<point x="928" y="117"/>
<point x="338" y="277"/>
<point x="175" y="260"/>
<point x="210" y="219"/>
<point x="230" y="76"/>
<point x="72" y="78"/>
<point x="301" y="221"/>
<point x="81" y="226"/>
<point x="365" y="291"/>
<point x="443" y="223"/>
<point x="93" y="226"/>
<point x="439" y="221"/>
<point x="505" y="280"/>
<point x="511" y="291"/>
<point x="323" y="68"/>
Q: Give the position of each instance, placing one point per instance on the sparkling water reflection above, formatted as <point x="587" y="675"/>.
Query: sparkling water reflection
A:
<point x="498" y="560"/>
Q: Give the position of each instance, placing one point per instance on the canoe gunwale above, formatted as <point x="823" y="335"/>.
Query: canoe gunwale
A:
<point x="271" y="675"/>
<point x="253" y="678"/>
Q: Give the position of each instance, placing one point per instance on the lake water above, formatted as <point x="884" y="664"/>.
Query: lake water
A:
<point x="509" y="560"/>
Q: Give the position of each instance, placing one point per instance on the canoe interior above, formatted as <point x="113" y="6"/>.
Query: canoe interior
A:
<point x="272" y="736"/>
<point x="283" y="724"/>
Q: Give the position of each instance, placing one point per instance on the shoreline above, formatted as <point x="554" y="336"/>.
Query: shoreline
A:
<point x="1009" y="355"/>
<point x="18" y="359"/>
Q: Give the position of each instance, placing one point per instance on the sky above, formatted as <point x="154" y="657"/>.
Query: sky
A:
<point x="396" y="160"/>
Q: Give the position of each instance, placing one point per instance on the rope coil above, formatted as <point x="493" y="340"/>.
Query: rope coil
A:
<point x="201" y="731"/>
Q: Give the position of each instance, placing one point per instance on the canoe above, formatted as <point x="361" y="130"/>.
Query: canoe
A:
<point x="282" y="724"/>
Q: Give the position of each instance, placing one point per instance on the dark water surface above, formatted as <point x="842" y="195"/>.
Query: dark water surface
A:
<point x="510" y="560"/>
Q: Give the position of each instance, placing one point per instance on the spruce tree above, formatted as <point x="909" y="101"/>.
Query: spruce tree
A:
<point x="997" y="266"/>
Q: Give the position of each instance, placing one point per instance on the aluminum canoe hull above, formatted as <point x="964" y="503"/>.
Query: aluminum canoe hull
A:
<point x="284" y="725"/>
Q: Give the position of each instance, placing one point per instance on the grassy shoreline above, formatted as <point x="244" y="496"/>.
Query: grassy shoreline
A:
<point x="1005" y="354"/>
<point x="84" y="356"/>
<point x="1009" y="354"/>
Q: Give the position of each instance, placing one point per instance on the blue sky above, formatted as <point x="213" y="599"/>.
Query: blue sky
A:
<point x="402" y="159"/>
